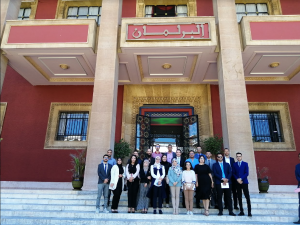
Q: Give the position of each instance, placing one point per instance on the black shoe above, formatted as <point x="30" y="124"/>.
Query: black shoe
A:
<point x="160" y="212"/>
<point x="216" y="207"/>
<point x="220" y="214"/>
<point x="225" y="207"/>
<point x="231" y="214"/>
<point x="241" y="214"/>
<point x="250" y="215"/>
<point x="237" y="208"/>
<point x="298" y="222"/>
<point x="154" y="211"/>
<point x="198" y="206"/>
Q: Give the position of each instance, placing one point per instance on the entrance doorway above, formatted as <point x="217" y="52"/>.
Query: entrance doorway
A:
<point x="164" y="129"/>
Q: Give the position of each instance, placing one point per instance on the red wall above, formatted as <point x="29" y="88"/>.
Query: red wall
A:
<point x="281" y="164"/>
<point x="290" y="7"/>
<point x="129" y="8"/>
<point x="46" y="9"/>
<point x="23" y="157"/>
<point x="205" y="8"/>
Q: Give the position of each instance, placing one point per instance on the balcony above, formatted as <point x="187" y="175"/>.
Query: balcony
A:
<point x="52" y="52"/>
<point x="167" y="49"/>
<point x="271" y="49"/>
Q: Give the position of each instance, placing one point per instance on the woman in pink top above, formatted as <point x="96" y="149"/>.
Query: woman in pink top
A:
<point x="189" y="181"/>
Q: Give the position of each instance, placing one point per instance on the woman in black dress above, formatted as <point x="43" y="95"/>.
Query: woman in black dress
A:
<point x="204" y="182"/>
<point x="167" y="165"/>
<point x="132" y="172"/>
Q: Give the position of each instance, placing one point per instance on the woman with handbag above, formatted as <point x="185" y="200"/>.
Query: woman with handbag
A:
<point x="167" y="165"/>
<point x="117" y="184"/>
<point x="145" y="179"/>
<point x="132" y="172"/>
<point x="188" y="181"/>
<point x="175" y="177"/>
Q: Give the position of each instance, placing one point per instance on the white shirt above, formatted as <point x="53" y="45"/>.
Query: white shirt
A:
<point x="178" y="160"/>
<point x="158" y="174"/>
<point x="227" y="159"/>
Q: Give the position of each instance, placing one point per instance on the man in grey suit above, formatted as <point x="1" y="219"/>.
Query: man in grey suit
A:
<point x="210" y="162"/>
<point x="104" y="170"/>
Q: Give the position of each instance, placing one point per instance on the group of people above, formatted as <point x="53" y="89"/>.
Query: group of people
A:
<point x="153" y="177"/>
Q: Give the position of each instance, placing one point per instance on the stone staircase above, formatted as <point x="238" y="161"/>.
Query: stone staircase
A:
<point x="24" y="206"/>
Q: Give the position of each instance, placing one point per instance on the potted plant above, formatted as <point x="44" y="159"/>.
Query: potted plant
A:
<point x="78" y="166"/>
<point x="213" y="144"/>
<point x="121" y="149"/>
<point x="263" y="179"/>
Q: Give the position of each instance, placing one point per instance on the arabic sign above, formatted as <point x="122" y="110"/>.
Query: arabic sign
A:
<point x="184" y="31"/>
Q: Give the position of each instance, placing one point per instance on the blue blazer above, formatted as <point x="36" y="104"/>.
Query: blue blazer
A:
<point x="297" y="173"/>
<point x="212" y="162"/>
<point x="101" y="173"/>
<point x="241" y="172"/>
<point x="218" y="172"/>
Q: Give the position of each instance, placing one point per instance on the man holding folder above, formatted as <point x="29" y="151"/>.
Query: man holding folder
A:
<point x="222" y="173"/>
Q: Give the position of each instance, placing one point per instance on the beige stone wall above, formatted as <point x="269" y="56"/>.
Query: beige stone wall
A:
<point x="196" y="95"/>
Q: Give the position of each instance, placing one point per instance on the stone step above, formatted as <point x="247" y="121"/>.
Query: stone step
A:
<point x="102" y="221"/>
<point x="91" y="208"/>
<point x="76" y="192"/>
<point x="123" y="197"/>
<point x="167" y="217"/>
<point x="125" y="202"/>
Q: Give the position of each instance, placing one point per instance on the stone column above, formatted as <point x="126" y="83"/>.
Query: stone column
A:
<point x="101" y="135"/>
<point x="233" y="98"/>
<point x="9" y="11"/>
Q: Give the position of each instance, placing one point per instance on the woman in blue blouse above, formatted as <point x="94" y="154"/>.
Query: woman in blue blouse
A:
<point x="175" y="176"/>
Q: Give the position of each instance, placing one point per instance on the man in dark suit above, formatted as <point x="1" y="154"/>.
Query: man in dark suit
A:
<point x="149" y="157"/>
<point x="297" y="174"/>
<point x="210" y="162"/>
<point x="222" y="173"/>
<point x="180" y="159"/>
<point x="104" y="170"/>
<point x="231" y="161"/>
<point x="240" y="172"/>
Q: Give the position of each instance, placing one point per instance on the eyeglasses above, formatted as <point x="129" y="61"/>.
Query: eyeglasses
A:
<point x="220" y="157"/>
<point x="105" y="158"/>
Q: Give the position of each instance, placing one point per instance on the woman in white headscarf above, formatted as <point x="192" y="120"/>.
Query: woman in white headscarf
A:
<point x="175" y="177"/>
<point x="145" y="178"/>
<point x="156" y="191"/>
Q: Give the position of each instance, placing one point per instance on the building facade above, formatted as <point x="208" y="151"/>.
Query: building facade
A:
<point x="84" y="74"/>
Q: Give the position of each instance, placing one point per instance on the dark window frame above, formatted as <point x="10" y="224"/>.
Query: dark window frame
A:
<point x="72" y="126"/>
<point x="77" y="14"/>
<point x="156" y="10"/>
<point x="24" y="17"/>
<point x="266" y="126"/>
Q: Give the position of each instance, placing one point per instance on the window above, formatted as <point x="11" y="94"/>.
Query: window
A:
<point x="250" y="10"/>
<point x="93" y="12"/>
<point x="24" y="14"/>
<point x="72" y="126"/>
<point x="166" y="11"/>
<point x="266" y="127"/>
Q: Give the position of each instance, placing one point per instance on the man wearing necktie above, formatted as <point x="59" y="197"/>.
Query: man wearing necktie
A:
<point x="240" y="172"/>
<point x="222" y="173"/>
<point x="104" y="170"/>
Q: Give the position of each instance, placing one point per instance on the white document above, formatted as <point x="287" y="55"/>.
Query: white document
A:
<point x="224" y="185"/>
<point x="156" y="183"/>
